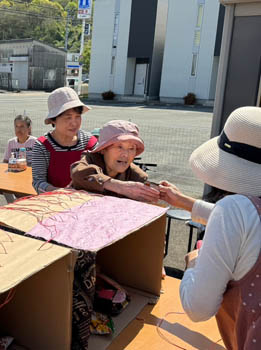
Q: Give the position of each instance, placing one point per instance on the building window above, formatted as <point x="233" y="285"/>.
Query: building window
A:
<point x="200" y="15"/>
<point x="112" y="64"/>
<point x="115" y="30"/>
<point x="197" y="34"/>
<point x="194" y="64"/>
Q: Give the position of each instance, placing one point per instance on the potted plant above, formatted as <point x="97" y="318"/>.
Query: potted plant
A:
<point x="108" y="95"/>
<point x="190" y="99"/>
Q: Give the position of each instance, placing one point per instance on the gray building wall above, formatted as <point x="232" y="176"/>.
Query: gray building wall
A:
<point x="142" y="28"/>
<point x="158" y="50"/>
<point x="243" y="74"/>
<point x="220" y="26"/>
<point x="147" y="39"/>
<point x="45" y="68"/>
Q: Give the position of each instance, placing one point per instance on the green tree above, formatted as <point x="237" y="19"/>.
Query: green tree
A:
<point x="44" y="20"/>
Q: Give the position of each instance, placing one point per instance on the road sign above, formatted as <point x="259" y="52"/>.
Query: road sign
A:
<point x="84" y="9"/>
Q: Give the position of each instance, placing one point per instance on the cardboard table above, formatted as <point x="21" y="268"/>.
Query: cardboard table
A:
<point x="130" y="248"/>
<point x="37" y="277"/>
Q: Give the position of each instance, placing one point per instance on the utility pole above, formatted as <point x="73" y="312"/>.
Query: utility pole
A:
<point x="66" y="32"/>
<point x="81" y="52"/>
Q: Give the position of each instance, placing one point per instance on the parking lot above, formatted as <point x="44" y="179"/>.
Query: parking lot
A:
<point x="170" y="134"/>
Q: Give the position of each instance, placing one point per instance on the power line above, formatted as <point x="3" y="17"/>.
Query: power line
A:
<point x="74" y="21"/>
<point x="39" y="6"/>
<point x="31" y="14"/>
<point x="69" y="12"/>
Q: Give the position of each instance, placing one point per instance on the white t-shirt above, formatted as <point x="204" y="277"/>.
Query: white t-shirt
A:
<point x="201" y="211"/>
<point x="230" y="249"/>
<point x="13" y="146"/>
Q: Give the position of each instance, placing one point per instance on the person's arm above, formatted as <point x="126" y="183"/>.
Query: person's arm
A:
<point x="134" y="190"/>
<point x="200" y="210"/>
<point x="202" y="287"/>
<point x="40" y="163"/>
<point x="172" y="195"/>
<point x="90" y="177"/>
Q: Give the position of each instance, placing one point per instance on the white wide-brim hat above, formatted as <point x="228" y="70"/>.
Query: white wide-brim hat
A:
<point x="232" y="161"/>
<point x="62" y="99"/>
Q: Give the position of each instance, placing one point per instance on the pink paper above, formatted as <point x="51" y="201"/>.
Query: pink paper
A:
<point x="97" y="223"/>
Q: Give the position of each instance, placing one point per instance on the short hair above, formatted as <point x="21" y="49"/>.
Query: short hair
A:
<point x="23" y="118"/>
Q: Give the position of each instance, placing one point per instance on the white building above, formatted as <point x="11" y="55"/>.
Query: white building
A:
<point x="127" y="47"/>
<point x="190" y="62"/>
<point x="153" y="49"/>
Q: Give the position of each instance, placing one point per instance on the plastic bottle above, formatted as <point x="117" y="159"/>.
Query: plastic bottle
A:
<point x="22" y="164"/>
<point x="12" y="164"/>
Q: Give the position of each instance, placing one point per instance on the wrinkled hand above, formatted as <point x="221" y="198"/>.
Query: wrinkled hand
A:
<point x="169" y="192"/>
<point x="139" y="191"/>
<point x="191" y="258"/>
<point x="172" y="195"/>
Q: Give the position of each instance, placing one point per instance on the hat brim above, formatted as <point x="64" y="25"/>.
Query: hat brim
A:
<point x="225" y="171"/>
<point x="126" y="137"/>
<point x="65" y="107"/>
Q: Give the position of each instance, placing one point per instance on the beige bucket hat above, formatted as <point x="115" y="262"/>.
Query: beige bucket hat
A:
<point x="119" y="130"/>
<point x="62" y="99"/>
<point x="232" y="161"/>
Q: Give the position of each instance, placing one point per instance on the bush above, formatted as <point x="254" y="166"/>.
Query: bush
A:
<point x="108" y="95"/>
<point x="190" y="99"/>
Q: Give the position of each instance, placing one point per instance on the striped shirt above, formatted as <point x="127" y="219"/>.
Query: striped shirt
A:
<point x="41" y="157"/>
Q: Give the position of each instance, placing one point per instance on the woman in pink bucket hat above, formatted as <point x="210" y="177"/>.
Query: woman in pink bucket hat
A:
<point x="54" y="152"/>
<point x="223" y="278"/>
<point x="108" y="169"/>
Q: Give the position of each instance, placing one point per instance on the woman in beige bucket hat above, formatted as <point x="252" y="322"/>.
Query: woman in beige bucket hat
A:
<point x="224" y="277"/>
<point x="109" y="168"/>
<point x="54" y="152"/>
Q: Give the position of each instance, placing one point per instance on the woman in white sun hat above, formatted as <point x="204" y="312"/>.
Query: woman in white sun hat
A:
<point x="108" y="169"/>
<point x="225" y="278"/>
<point x="54" y="152"/>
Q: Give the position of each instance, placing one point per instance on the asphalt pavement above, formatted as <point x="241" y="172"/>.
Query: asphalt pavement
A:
<point x="170" y="134"/>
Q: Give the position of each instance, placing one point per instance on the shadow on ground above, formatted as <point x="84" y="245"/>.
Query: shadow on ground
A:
<point x="173" y="272"/>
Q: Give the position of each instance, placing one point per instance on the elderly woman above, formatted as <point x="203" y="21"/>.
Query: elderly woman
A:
<point x="108" y="169"/>
<point x="54" y="153"/>
<point x="225" y="279"/>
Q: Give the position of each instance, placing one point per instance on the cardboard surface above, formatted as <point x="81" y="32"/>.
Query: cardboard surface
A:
<point x="97" y="223"/>
<point x="24" y="214"/>
<point x="39" y="314"/>
<point x="22" y="257"/>
<point x="136" y="261"/>
<point x="78" y="220"/>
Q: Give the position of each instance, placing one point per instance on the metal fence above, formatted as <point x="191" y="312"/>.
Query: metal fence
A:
<point x="167" y="146"/>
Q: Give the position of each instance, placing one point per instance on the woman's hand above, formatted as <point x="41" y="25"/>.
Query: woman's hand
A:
<point x="172" y="195"/>
<point x="140" y="191"/>
<point x="134" y="190"/>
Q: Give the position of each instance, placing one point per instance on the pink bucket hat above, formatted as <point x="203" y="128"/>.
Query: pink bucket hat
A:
<point x="119" y="130"/>
<point x="62" y="99"/>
